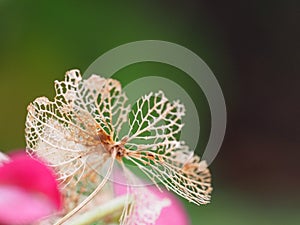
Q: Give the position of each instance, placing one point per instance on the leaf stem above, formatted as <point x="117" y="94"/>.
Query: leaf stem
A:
<point x="111" y="209"/>
<point x="91" y="196"/>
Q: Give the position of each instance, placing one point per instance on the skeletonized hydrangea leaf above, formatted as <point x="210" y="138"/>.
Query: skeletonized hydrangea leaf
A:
<point x="190" y="179"/>
<point x="153" y="146"/>
<point x="154" y="122"/>
<point x="79" y="131"/>
<point x="75" y="125"/>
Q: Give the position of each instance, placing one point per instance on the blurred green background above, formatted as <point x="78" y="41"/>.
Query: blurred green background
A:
<point x="249" y="45"/>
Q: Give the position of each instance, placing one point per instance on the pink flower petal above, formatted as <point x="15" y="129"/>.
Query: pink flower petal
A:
<point x="174" y="214"/>
<point x="28" y="190"/>
<point x="18" y="206"/>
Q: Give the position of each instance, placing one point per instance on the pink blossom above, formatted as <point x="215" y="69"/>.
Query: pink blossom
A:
<point x="174" y="213"/>
<point x="28" y="190"/>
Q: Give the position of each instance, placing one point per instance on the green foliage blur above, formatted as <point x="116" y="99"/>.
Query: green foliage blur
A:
<point x="41" y="40"/>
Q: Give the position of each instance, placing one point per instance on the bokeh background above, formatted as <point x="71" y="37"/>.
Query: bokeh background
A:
<point x="252" y="48"/>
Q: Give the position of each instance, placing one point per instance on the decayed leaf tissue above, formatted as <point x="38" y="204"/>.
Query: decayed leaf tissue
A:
<point x="79" y="132"/>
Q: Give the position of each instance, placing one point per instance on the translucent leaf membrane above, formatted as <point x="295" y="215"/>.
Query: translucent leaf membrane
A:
<point x="153" y="146"/>
<point x="178" y="170"/>
<point x="76" y="124"/>
<point x="54" y="134"/>
<point x="154" y="122"/>
<point x="70" y="132"/>
<point x="78" y="132"/>
<point x="142" y="206"/>
<point x="85" y="181"/>
<point x="101" y="98"/>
